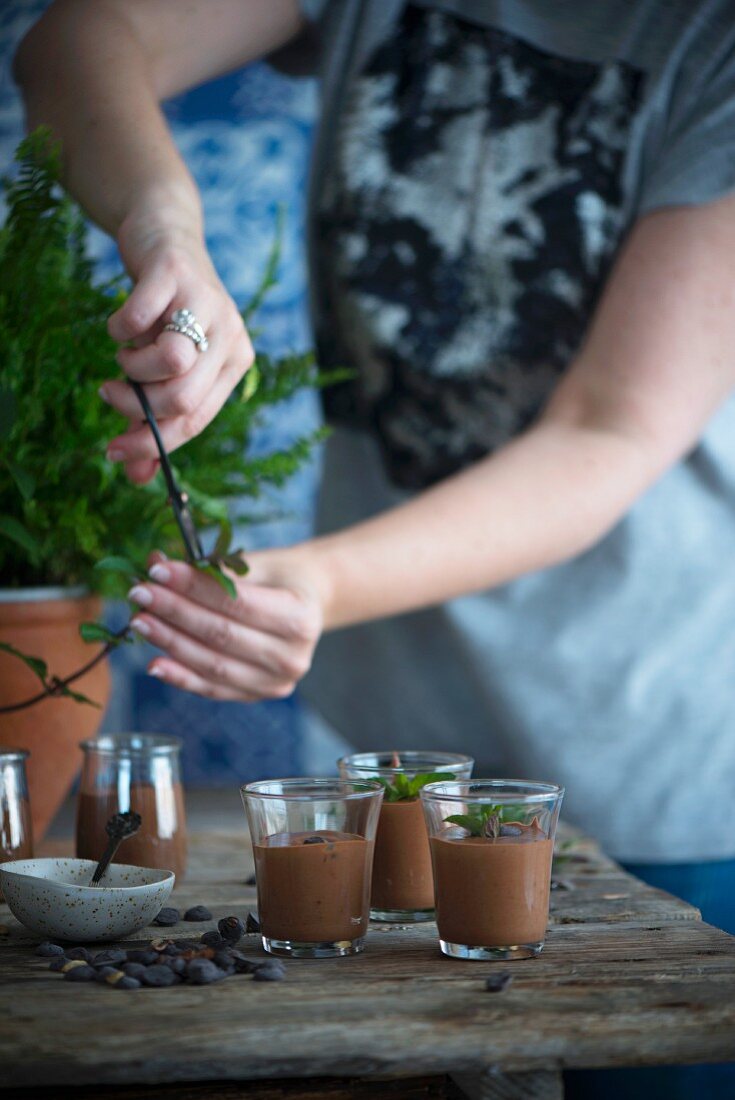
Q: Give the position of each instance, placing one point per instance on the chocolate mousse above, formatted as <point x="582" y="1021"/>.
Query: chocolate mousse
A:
<point x="402" y="876"/>
<point x="161" y="840"/>
<point x="313" y="887"/>
<point x="492" y="890"/>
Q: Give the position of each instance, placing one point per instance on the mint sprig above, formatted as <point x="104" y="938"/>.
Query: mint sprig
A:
<point x="399" y="788"/>
<point x="485" y="819"/>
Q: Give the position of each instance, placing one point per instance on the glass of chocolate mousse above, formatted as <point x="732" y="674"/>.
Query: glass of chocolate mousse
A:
<point x="492" y="842"/>
<point x="403" y="886"/>
<point x="138" y="772"/>
<point x="313" y="843"/>
<point x="16" y="834"/>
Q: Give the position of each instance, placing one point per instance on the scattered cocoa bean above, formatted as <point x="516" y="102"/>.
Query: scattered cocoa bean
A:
<point x="167" y="917"/>
<point x="197" y="913"/>
<point x="204" y="971"/>
<point x="231" y="929"/>
<point x="48" y="950"/>
<point x="496" y="983"/>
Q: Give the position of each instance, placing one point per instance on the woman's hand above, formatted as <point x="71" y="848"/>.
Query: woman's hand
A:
<point x="96" y="75"/>
<point x="185" y="387"/>
<point x="254" y="647"/>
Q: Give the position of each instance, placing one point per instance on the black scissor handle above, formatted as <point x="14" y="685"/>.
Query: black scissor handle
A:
<point x="179" y="500"/>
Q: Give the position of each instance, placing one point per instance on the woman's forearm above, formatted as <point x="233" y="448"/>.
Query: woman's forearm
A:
<point x="547" y="496"/>
<point x="656" y="364"/>
<point x="84" y="72"/>
<point x="95" y="71"/>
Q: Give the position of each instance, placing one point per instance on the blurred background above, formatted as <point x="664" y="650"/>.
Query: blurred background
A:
<point x="246" y="139"/>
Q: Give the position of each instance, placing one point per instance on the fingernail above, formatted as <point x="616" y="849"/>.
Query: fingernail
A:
<point x="114" y="455"/>
<point x="102" y="391"/>
<point x="141" y="596"/>
<point x="140" y="627"/>
<point x="157" y="672"/>
<point x="160" y="573"/>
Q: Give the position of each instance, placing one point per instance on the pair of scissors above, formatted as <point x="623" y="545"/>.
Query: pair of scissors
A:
<point x="178" y="499"/>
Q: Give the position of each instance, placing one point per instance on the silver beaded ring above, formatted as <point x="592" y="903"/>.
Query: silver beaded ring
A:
<point x="184" y="321"/>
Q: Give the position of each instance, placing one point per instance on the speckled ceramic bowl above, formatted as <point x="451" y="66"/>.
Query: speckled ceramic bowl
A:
<point x="51" y="897"/>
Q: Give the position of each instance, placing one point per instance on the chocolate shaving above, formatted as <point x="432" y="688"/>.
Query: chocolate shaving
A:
<point x="492" y="827"/>
<point x="161" y="945"/>
<point x="198" y="953"/>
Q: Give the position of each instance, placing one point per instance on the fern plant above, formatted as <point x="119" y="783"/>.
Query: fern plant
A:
<point x="67" y="515"/>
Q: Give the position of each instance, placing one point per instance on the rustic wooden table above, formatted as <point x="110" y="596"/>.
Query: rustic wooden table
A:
<point x="629" y="976"/>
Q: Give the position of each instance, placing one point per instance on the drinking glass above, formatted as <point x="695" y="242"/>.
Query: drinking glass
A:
<point x="492" y="842"/>
<point x="16" y="833"/>
<point x="313" y="844"/>
<point x="138" y="772"/>
<point x="403" y="886"/>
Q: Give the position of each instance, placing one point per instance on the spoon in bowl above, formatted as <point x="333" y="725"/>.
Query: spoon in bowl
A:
<point x="118" y="828"/>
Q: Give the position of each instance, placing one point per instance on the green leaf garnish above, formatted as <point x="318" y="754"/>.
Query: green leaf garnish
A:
<point x="486" y="818"/>
<point x="399" y="788"/>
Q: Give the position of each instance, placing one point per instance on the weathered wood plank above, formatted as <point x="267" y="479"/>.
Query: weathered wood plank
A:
<point x="629" y="977"/>
<point x="495" y="1085"/>
<point x="318" y="1088"/>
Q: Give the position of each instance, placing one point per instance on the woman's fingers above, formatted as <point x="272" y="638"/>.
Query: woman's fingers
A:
<point x="256" y="646"/>
<point x="167" y="354"/>
<point x="171" y="355"/>
<point x="142" y="470"/>
<point x="177" y="397"/>
<point x="196" y="412"/>
<point x="149" y="299"/>
<point x="171" y="621"/>
<point x="232" y="672"/>
<point x="181" y="677"/>
<point x="181" y="590"/>
<point x="210" y="648"/>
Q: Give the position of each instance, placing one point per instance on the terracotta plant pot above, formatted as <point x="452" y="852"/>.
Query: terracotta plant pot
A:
<point x="44" y="622"/>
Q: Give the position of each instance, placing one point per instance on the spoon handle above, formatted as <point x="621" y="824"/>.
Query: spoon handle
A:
<point x="112" y="846"/>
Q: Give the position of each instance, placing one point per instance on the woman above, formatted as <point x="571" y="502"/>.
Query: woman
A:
<point x="522" y="236"/>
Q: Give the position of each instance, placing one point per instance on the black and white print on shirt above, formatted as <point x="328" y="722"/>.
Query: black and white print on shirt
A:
<point x="471" y="213"/>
